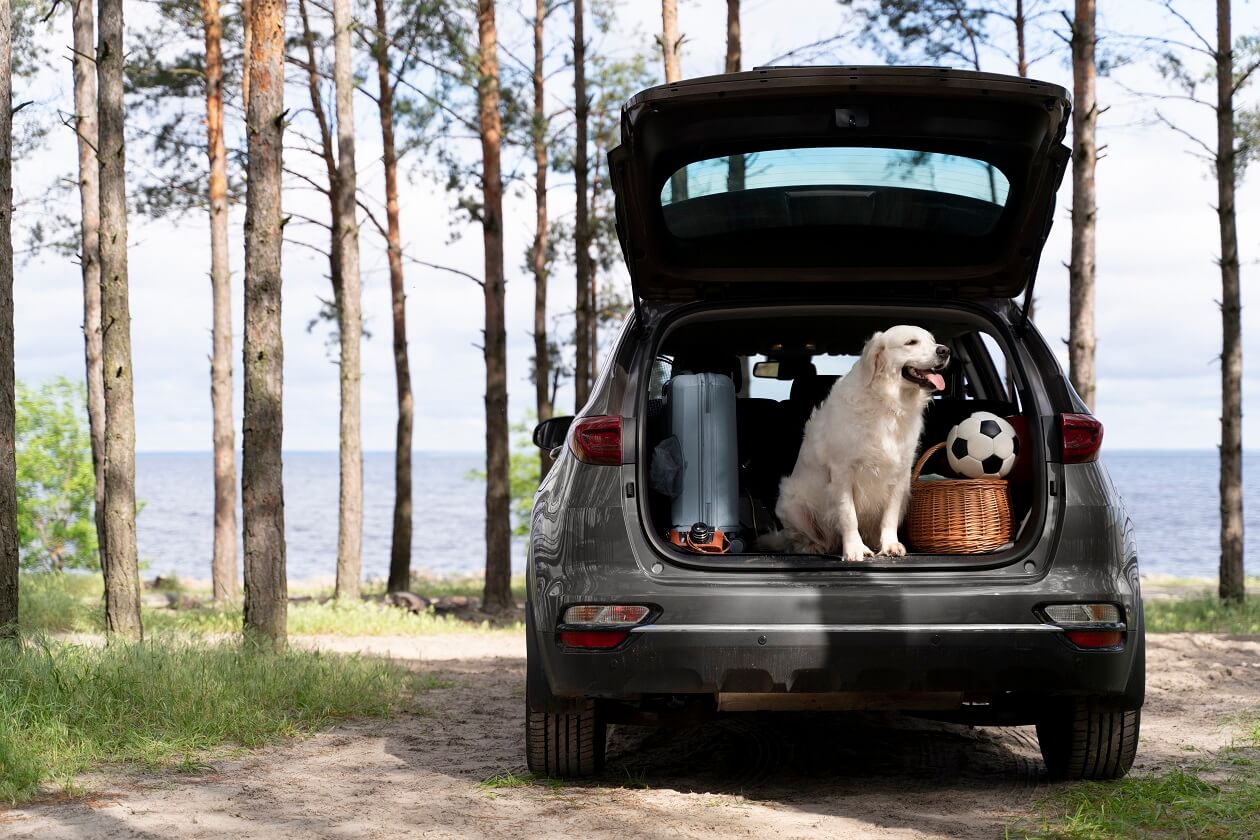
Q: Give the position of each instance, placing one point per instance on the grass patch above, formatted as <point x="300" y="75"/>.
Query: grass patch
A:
<point x="67" y="708"/>
<point x="71" y="603"/>
<point x="1202" y="614"/>
<point x="314" y="619"/>
<point x="1177" y="804"/>
<point x="507" y="779"/>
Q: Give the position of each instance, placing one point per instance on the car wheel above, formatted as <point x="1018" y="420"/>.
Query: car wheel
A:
<point x="1084" y="739"/>
<point x="565" y="744"/>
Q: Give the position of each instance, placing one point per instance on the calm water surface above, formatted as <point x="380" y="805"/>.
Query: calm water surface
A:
<point x="1171" y="495"/>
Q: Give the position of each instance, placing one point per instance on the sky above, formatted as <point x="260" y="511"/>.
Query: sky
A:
<point x="1158" y="323"/>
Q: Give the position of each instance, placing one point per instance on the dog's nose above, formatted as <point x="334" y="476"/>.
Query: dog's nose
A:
<point x="942" y="352"/>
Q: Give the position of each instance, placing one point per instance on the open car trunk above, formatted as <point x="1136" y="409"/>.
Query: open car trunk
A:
<point x="800" y="352"/>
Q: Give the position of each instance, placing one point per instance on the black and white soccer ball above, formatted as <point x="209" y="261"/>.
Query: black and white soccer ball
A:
<point x="982" y="446"/>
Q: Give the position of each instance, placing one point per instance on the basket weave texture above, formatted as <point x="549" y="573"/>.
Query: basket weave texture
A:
<point x="958" y="516"/>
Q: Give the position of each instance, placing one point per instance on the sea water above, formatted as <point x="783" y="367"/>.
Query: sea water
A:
<point x="1172" y="497"/>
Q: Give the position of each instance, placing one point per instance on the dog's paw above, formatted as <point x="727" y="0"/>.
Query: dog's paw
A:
<point x="892" y="549"/>
<point x="857" y="552"/>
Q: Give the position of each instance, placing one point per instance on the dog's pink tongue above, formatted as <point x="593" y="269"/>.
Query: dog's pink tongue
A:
<point x="938" y="381"/>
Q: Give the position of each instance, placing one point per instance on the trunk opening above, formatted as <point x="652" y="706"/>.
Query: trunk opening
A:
<point x="782" y="362"/>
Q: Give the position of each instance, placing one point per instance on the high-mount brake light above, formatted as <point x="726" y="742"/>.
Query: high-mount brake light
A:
<point x="1082" y="438"/>
<point x="597" y="440"/>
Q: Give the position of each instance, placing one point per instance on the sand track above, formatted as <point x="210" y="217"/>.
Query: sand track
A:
<point x="785" y="777"/>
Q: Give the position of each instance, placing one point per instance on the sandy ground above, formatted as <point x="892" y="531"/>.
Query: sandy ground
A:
<point x="834" y="776"/>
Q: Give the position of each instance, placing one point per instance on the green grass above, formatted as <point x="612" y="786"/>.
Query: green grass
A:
<point x="1201" y="614"/>
<point x="1178" y="804"/>
<point x="68" y="708"/>
<point x="71" y="603"/>
<point x="310" y="618"/>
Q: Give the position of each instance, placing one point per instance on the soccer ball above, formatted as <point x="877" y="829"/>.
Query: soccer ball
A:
<point x="982" y="446"/>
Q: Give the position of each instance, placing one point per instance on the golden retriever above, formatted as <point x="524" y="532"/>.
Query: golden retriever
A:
<point x="851" y="482"/>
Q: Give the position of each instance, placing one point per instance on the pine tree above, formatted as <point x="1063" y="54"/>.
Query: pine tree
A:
<point x="262" y="476"/>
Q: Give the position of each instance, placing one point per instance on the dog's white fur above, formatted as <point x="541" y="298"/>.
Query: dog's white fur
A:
<point x="851" y="482"/>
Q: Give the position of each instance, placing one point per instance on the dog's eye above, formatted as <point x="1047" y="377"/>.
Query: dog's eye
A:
<point x="912" y="342"/>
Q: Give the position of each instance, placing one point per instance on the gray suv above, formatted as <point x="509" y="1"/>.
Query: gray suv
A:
<point x="771" y="221"/>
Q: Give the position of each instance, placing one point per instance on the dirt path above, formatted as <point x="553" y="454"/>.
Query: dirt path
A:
<point x="791" y="777"/>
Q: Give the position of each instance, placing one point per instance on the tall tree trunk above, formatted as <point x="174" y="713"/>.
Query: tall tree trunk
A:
<point x="581" y="219"/>
<point x="538" y="251"/>
<point x="326" y="153"/>
<point x="1232" y="584"/>
<point x="349" y="317"/>
<point x="671" y="42"/>
<point x="223" y="564"/>
<point x="122" y="582"/>
<point x="84" y="68"/>
<point x="247" y="40"/>
<point x="1021" y="47"/>
<point x="262" y="479"/>
<point x="8" y="404"/>
<point x="498" y="591"/>
<point x="400" y="543"/>
<point x="671" y="50"/>
<point x="1081" y="339"/>
<point x="736" y="163"/>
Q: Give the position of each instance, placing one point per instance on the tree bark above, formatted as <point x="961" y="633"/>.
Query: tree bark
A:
<point x="584" y="363"/>
<point x="400" y="543"/>
<point x="671" y="50"/>
<point x="735" y="163"/>
<point x="122" y="582"/>
<point x="89" y="247"/>
<point x="671" y="42"/>
<point x="349" y="317"/>
<point x="326" y="153"/>
<point x="1081" y="338"/>
<point x="538" y="252"/>
<point x="1021" y="48"/>
<point x="247" y="39"/>
<point x="223" y="564"/>
<point x="1232" y="584"/>
<point x="498" y="589"/>
<point x="262" y="480"/>
<point x="9" y="560"/>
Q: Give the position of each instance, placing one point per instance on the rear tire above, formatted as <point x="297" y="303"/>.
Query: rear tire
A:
<point x="1084" y="739"/>
<point x="565" y="744"/>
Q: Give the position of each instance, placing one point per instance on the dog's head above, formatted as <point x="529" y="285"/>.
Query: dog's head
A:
<point x="907" y="353"/>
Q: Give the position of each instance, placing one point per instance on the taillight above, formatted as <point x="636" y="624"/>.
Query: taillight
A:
<point x="599" y="626"/>
<point x="597" y="440"/>
<point x="1088" y="625"/>
<point x="1082" y="438"/>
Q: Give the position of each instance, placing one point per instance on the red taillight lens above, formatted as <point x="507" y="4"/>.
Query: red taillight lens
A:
<point x="1095" y="638"/>
<point x="1082" y="438"/>
<point x="597" y="440"/>
<point x="592" y="639"/>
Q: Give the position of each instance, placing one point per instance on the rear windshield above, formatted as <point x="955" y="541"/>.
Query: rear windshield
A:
<point x="835" y="186"/>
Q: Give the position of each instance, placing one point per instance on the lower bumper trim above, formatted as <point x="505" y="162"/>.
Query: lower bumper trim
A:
<point x="848" y="628"/>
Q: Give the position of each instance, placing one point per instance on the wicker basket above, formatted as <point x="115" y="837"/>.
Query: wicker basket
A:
<point x="958" y="516"/>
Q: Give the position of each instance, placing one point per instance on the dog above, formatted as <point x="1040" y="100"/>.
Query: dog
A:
<point x="851" y="482"/>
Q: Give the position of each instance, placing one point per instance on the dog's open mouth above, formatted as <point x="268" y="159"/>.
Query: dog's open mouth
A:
<point x="924" y="378"/>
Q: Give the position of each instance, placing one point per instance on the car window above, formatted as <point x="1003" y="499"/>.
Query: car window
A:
<point x="847" y="185"/>
<point x="662" y="370"/>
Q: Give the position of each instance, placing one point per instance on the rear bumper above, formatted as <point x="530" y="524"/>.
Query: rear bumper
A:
<point x="841" y="666"/>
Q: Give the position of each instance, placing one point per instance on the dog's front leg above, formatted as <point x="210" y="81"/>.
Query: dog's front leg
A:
<point x="889" y="545"/>
<point x="850" y="537"/>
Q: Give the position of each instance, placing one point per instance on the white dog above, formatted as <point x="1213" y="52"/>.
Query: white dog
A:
<point x="851" y="482"/>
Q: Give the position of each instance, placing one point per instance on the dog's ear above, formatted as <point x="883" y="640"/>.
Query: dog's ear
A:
<point x="874" y="351"/>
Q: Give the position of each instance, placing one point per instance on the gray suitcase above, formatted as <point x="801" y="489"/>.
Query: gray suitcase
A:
<point x="702" y="417"/>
